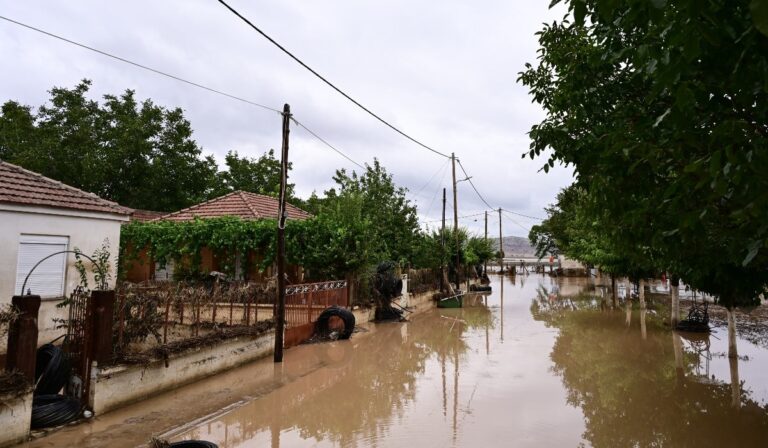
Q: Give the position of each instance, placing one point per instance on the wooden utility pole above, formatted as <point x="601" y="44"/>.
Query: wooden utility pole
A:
<point x="485" y="264"/>
<point x="282" y="215"/>
<point x="455" y="216"/>
<point x="501" y="247"/>
<point x="442" y="248"/>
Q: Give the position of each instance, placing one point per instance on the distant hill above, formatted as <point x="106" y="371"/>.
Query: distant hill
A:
<point x="515" y="246"/>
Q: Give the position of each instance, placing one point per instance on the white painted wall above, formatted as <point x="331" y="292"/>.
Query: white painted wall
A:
<point x="85" y="230"/>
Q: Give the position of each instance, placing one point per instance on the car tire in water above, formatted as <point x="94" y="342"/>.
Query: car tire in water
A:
<point x="194" y="444"/>
<point x="323" y="321"/>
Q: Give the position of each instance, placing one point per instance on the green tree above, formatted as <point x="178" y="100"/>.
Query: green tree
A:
<point x="138" y="154"/>
<point x="384" y="204"/>
<point x="662" y="109"/>
<point x="257" y="175"/>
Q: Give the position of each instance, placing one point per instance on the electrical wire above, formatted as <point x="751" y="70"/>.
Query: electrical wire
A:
<point x="469" y="179"/>
<point x="439" y="169"/>
<point x="333" y="86"/>
<point x="340" y="152"/>
<point x="524" y="216"/>
<point x="141" y="66"/>
<point x="515" y="222"/>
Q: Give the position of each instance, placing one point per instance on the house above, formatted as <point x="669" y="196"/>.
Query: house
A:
<point x="39" y="217"/>
<point x="240" y="204"/>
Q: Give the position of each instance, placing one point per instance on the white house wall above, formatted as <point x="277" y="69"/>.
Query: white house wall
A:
<point x="86" y="231"/>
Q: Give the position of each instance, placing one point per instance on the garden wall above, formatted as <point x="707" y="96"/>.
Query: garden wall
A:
<point x="15" y="417"/>
<point x="116" y="386"/>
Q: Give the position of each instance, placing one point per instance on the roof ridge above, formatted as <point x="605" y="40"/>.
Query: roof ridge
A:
<point x="191" y="207"/>
<point x="241" y="193"/>
<point x="54" y="182"/>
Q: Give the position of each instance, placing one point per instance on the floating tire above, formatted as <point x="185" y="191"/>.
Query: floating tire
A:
<point x="52" y="370"/>
<point x="322" y="327"/>
<point x="54" y="410"/>
<point x="194" y="444"/>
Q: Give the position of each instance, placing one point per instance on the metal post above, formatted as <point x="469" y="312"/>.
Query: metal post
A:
<point x="102" y="312"/>
<point x="501" y="247"/>
<point x="485" y="263"/>
<point x="22" y="337"/>
<point x="280" y="318"/>
<point x="455" y="217"/>
<point x="442" y="249"/>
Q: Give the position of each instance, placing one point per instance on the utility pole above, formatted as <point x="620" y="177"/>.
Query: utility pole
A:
<point x="501" y="247"/>
<point x="455" y="216"/>
<point x="442" y="248"/>
<point x="485" y="264"/>
<point x="282" y="215"/>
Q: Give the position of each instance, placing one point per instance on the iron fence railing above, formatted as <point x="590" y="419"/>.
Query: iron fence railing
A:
<point x="151" y="315"/>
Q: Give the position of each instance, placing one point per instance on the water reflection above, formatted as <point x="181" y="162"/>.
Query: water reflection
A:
<point x="539" y="362"/>
<point x="636" y="387"/>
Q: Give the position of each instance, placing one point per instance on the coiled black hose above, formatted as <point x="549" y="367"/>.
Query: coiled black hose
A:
<point x="54" y="410"/>
<point x="51" y="370"/>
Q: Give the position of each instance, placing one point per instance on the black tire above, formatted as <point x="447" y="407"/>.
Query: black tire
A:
<point x="54" y="410"/>
<point x="194" y="444"/>
<point x="321" y="327"/>
<point x="52" y="370"/>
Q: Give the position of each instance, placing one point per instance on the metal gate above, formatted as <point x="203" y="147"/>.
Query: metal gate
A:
<point x="77" y="343"/>
<point x="303" y="305"/>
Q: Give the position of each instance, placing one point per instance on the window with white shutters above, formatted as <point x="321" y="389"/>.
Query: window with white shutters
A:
<point x="48" y="279"/>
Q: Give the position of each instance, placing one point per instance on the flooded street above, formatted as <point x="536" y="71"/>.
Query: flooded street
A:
<point x="536" y="363"/>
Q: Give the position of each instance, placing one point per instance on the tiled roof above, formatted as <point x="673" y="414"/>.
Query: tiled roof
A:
<point x="238" y="203"/>
<point x="20" y="186"/>
<point x="145" y="215"/>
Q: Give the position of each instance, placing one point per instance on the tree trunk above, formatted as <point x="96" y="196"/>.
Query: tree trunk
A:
<point x="674" y="293"/>
<point x="613" y="290"/>
<point x="732" y="351"/>
<point x="629" y="312"/>
<point x="735" y="383"/>
<point x="677" y="343"/>
<point x="641" y="292"/>
<point x="643" y="332"/>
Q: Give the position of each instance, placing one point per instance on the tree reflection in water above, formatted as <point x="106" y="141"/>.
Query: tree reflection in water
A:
<point x="641" y="387"/>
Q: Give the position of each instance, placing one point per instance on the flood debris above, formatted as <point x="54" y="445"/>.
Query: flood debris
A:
<point x="387" y="287"/>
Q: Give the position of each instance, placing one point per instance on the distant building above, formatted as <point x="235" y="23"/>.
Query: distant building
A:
<point x="39" y="217"/>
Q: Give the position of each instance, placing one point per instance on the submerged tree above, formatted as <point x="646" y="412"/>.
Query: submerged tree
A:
<point x="662" y="109"/>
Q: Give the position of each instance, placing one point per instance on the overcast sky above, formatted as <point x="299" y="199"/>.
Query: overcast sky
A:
<point x="444" y="72"/>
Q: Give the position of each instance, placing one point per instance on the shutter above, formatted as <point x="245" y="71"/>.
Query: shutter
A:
<point x="48" y="279"/>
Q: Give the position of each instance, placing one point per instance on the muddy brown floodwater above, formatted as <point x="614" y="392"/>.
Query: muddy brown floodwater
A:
<point x="536" y="363"/>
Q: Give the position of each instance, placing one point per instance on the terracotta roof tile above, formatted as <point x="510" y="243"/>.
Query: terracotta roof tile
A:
<point x="242" y="204"/>
<point x="20" y="186"/>
<point x="145" y="215"/>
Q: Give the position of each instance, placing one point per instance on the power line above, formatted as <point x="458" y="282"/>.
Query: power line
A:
<point x="319" y="76"/>
<point x="516" y="223"/>
<point x="460" y="217"/>
<point x="473" y="185"/>
<point x="141" y="66"/>
<point x="524" y="216"/>
<point x="439" y="169"/>
<point x="180" y="79"/>
<point x="327" y="144"/>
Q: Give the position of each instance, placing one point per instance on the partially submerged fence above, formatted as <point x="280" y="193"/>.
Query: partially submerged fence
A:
<point x="423" y="280"/>
<point x="154" y="319"/>
<point x="305" y="302"/>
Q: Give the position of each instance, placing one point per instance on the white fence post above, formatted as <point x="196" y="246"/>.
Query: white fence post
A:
<point x="406" y="294"/>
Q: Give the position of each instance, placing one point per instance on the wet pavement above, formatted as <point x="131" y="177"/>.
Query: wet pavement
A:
<point x="539" y="362"/>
